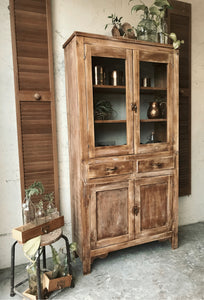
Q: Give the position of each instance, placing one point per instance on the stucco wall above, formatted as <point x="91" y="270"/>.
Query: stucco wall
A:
<point x="88" y="16"/>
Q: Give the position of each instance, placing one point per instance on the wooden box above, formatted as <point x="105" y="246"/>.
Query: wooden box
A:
<point x="29" y="296"/>
<point x="57" y="283"/>
<point x="29" y="231"/>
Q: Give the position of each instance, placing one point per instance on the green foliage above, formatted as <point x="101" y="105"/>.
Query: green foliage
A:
<point x="49" y="197"/>
<point x="115" y="21"/>
<point x="162" y="3"/>
<point x="154" y="11"/>
<point x="176" y="43"/>
<point x="139" y="7"/>
<point x="157" y="9"/>
<point x="40" y="204"/>
<point x="35" y="188"/>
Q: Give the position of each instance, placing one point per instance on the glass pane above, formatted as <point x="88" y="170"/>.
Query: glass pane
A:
<point x="109" y="101"/>
<point x="153" y="102"/>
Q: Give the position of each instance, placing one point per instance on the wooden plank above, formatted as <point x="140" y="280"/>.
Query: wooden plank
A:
<point x="139" y="241"/>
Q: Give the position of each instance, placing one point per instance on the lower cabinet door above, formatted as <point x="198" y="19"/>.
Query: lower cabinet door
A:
<point x="112" y="220"/>
<point x="153" y="206"/>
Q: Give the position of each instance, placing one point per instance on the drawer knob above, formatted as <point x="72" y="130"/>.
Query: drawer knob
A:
<point x="37" y="96"/>
<point x="158" y="165"/>
<point x="113" y="169"/>
<point x="45" y="229"/>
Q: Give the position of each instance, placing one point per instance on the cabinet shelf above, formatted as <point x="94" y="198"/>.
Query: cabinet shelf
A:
<point x="109" y="88"/>
<point x="109" y="121"/>
<point x="147" y="90"/>
<point x="152" y="120"/>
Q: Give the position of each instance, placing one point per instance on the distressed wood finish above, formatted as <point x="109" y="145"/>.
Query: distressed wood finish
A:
<point x="155" y="204"/>
<point x="28" y="231"/>
<point x="122" y="195"/>
<point x="34" y="91"/>
<point x="110" y="169"/>
<point x="155" y="164"/>
<point x="105" y="200"/>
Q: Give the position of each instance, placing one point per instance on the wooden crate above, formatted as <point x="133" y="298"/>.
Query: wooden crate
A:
<point x="29" y="296"/>
<point x="57" y="283"/>
<point x="29" y="231"/>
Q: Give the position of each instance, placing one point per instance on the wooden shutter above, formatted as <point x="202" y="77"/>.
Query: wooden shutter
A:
<point x="34" y="89"/>
<point x="179" y="21"/>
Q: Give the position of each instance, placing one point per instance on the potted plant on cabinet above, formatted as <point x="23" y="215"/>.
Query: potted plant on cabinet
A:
<point x="152" y="19"/>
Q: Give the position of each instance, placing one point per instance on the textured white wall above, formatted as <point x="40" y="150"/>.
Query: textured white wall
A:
<point x="88" y="16"/>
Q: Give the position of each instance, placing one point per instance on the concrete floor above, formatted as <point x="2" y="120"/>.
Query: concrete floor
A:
<point x="151" y="271"/>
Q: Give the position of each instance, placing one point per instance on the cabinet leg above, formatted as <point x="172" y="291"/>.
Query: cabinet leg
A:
<point x="87" y="266"/>
<point x="12" y="293"/>
<point x="174" y="241"/>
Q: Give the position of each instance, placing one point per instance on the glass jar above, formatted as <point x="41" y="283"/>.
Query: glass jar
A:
<point x="163" y="32"/>
<point x="28" y="211"/>
<point x="32" y="278"/>
<point x="51" y="211"/>
<point x="147" y="30"/>
<point x="40" y="213"/>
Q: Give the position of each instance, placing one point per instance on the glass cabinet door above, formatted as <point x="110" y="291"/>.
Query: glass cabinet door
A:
<point x="154" y="95"/>
<point x="109" y="97"/>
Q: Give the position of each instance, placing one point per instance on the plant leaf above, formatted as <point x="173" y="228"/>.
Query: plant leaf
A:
<point x="31" y="246"/>
<point x="154" y="11"/>
<point x="73" y="246"/>
<point x="139" y="7"/>
<point x="176" y="44"/>
<point x="162" y="3"/>
<point x="173" y="36"/>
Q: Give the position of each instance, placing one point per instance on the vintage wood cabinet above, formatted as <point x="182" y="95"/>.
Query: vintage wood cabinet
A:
<point x="123" y="149"/>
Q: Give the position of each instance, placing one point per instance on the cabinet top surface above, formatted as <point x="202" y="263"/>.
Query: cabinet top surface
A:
<point x="110" y="38"/>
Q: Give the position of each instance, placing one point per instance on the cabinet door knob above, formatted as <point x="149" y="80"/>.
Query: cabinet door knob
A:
<point x="134" y="107"/>
<point x="135" y="210"/>
<point x="37" y="96"/>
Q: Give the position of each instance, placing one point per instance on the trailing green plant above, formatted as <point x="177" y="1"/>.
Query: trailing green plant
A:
<point x="176" y="43"/>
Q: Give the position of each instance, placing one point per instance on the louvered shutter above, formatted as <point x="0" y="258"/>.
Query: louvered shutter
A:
<point x="34" y="89"/>
<point x="179" y="21"/>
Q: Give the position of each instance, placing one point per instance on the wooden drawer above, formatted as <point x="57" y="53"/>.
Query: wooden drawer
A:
<point x="155" y="164"/>
<point x="110" y="169"/>
<point x="28" y="231"/>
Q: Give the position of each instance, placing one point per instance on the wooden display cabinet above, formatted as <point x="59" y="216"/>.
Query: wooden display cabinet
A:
<point x="123" y="164"/>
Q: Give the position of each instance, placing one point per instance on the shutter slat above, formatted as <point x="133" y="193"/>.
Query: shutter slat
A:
<point x="179" y="21"/>
<point x="33" y="73"/>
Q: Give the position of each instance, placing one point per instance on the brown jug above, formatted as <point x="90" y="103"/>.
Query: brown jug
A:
<point x="153" y="111"/>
